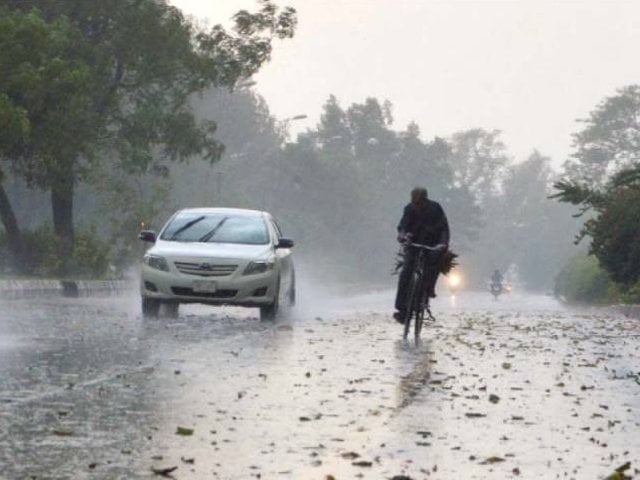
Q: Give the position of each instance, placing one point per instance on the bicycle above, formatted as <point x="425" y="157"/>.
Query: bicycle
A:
<point x="417" y="298"/>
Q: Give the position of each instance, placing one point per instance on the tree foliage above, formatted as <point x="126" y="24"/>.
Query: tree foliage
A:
<point x="610" y="139"/>
<point x="608" y="188"/>
<point x="478" y="159"/>
<point x="111" y="81"/>
<point x="582" y="280"/>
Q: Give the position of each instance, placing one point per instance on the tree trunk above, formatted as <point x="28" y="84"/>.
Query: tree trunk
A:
<point x="62" y="209"/>
<point x="10" y="223"/>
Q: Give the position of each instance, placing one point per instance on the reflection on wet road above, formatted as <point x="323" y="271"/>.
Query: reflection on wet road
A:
<point x="515" y="388"/>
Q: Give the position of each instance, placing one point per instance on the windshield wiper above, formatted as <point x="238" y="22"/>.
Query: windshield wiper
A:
<point x="186" y="226"/>
<point x="209" y="235"/>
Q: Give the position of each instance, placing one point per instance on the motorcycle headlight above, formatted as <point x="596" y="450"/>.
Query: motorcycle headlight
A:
<point x="255" y="268"/>
<point x="156" y="262"/>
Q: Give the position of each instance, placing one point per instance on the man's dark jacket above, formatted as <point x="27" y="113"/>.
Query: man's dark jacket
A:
<point x="426" y="223"/>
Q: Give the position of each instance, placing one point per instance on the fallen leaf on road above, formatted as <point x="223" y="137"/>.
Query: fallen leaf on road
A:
<point x="184" y="431"/>
<point x="618" y="473"/>
<point x="350" y="455"/>
<point x="164" y="472"/>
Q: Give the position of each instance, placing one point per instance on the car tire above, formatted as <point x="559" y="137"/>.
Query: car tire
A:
<point x="150" y="307"/>
<point x="171" y="309"/>
<point x="291" y="297"/>
<point x="270" y="312"/>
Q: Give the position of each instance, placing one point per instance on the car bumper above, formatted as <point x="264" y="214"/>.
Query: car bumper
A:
<point x="250" y="290"/>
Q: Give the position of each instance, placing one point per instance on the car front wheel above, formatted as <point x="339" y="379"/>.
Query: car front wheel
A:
<point x="150" y="307"/>
<point x="171" y="309"/>
<point x="269" y="312"/>
<point x="292" y="292"/>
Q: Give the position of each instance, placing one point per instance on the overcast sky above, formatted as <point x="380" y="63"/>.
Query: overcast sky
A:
<point x="529" y="68"/>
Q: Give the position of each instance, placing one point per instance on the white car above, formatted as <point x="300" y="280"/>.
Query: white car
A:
<point x="217" y="256"/>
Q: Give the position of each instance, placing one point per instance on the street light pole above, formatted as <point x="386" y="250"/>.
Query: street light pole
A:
<point x="284" y="124"/>
<point x="284" y="131"/>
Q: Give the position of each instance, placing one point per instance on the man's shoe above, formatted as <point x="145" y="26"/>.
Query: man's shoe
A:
<point x="399" y="316"/>
<point x="429" y="316"/>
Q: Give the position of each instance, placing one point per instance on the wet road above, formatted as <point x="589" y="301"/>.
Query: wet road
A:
<point x="518" y="388"/>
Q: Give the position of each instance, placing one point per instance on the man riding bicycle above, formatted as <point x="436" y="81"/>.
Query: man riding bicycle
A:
<point x="496" y="280"/>
<point x="424" y="222"/>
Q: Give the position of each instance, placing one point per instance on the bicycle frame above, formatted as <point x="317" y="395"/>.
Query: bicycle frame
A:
<point x="417" y="300"/>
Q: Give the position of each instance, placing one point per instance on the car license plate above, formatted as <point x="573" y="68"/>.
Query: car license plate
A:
<point x="204" y="286"/>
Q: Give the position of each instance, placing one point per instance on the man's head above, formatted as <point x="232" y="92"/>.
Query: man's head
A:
<point x="419" y="196"/>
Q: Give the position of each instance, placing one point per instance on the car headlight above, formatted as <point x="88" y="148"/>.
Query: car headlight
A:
<point x="156" y="262"/>
<point x="255" y="268"/>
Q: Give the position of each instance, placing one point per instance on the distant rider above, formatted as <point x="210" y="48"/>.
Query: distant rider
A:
<point x="424" y="222"/>
<point x="496" y="279"/>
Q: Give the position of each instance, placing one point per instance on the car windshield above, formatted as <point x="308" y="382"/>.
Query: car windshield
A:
<point x="217" y="228"/>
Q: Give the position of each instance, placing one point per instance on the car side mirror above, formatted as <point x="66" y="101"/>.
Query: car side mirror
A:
<point x="285" y="243"/>
<point x="147" y="236"/>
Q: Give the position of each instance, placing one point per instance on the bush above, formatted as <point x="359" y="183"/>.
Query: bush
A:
<point x="90" y="257"/>
<point x="582" y="280"/>
<point x="631" y="294"/>
<point x="615" y="236"/>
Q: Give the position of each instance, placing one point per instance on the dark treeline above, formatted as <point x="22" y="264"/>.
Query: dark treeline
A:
<point x="340" y="187"/>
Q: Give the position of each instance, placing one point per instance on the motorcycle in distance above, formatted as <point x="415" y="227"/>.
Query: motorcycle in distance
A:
<point x="496" y="289"/>
<point x="497" y="286"/>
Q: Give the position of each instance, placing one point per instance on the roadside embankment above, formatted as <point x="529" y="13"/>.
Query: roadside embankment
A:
<point x="25" y="288"/>
<point x="632" y="311"/>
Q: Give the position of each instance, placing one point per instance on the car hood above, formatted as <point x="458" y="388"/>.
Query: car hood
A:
<point x="216" y="250"/>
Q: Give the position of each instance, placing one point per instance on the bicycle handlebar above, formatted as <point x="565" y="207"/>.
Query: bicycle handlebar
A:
<point x="426" y="247"/>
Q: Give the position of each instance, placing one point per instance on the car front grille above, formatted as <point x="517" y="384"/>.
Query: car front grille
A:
<point x="188" y="292"/>
<point x="204" y="269"/>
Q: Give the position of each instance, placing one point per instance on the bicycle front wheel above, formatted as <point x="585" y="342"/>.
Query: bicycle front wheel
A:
<point x="412" y="292"/>
<point x="419" y="321"/>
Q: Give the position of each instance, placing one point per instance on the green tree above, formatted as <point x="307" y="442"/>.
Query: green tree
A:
<point x="531" y="225"/>
<point x="118" y="88"/>
<point x="616" y="235"/>
<point x="246" y="174"/>
<point x="603" y="178"/>
<point x="45" y="106"/>
<point x="614" y="227"/>
<point x="333" y="130"/>
<point x="369" y="123"/>
<point x="478" y="160"/>
<point x="610" y="139"/>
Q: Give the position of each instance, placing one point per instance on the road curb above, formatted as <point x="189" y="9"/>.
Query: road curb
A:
<point x="62" y="288"/>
